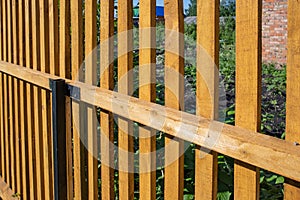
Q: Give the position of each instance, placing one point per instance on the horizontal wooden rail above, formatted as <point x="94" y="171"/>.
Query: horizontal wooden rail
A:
<point x="279" y="156"/>
<point x="5" y="192"/>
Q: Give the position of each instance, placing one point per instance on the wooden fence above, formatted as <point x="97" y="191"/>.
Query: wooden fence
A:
<point x="48" y="149"/>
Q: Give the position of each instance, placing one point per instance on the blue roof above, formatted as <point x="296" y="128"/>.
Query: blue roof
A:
<point x="160" y="12"/>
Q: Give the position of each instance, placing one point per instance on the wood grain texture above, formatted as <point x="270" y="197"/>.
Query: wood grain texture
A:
<point x="2" y="130"/>
<point x="77" y="59"/>
<point x="37" y="115"/>
<point x="291" y="188"/>
<point x="1" y="32"/>
<point x="91" y="78"/>
<point x="45" y="100"/>
<point x="9" y="30"/>
<point x="125" y="86"/>
<point x="174" y="94"/>
<point x="5" y="192"/>
<point x="236" y="142"/>
<point x="53" y="37"/>
<point x="11" y="143"/>
<point x="248" y="83"/>
<point x="147" y="92"/>
<point x="14" y="7"/>
<point x="16" y="102"/>
<point x="106" y="82"/>
<point x="6" y="131"/>
<point x="207" y="93"/>
<point x="29" y="101"/>
<point x="65" y="72"/>
<point x="65" y="39"/>
<point x="4" y="29"/>
<point x="23" y="136"/>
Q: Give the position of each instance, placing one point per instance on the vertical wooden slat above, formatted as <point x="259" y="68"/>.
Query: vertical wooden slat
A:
<point x="16" y="97"/>
<point x="16" y="93"/>
<point x="21" y="31"/>
<point x="125" y="127"/>
<point x="15" y="31"/>
<point x="37" y="99"/>
<point x="65" y="72"/>
<point x="53" y="61"/>
<point x="147" y="91"/>
<point x="6" y="130"/>
<point x="9" y="36"/>
<point x="77" y="58"/>
<point x="292" y="189"/>
<point x="2" y="133"/>
<point x="248" y="84"/>
<point x="30" y="124"/>
<point x="174" y="70"/>
<point x="4" y="47"/>
<point x="206" y="164"/>
<point x="2" y="129"/>
<point x="91" y="79"/>
<point x="1" y="32"/>
<point x="64" y="39"/>
<point x="1" y="99"/>
<point x="45" y="100"/>
<point x="10" y="100"/>
<point x="106" y="81"/>
<point x="11" y="133"/>
<point x="53" y="37"/>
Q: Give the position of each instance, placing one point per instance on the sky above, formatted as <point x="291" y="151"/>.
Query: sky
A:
<point x="161" y="3"/>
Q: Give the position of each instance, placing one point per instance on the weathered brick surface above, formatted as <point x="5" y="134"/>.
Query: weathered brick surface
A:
<point x="274" y="31"/>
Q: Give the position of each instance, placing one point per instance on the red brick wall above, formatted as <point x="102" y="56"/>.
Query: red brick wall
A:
<point x="274" y="31"/>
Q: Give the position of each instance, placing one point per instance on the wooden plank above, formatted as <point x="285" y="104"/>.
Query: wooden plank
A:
<point x="53" y="64"/>
<point x="77" y="59"/>
<point x="30" y="123"/>
<point x="21" y="30"/>
<point x="125" y="86"/>
<point x="10" y="99"/>
<point x="4" y="58"/>
<point x="2" y="136"/>
<point x="45" y="101"/>
<point x="91" y="78"/>
<point x="5" y="192"/>
<point x="65" y="72"/>
<point x="53" y="37"/>
<point x="106" y="81"/>
<point x="16" y="124"/>
<point x="147" y="92"/>
<point x="39" y="168"/>
<point x="11" y="132"/>
<point x="1" y="32"/>
<point x="174" y="93"/>
<point x="6" y="132"/>
<point x="248" y="83"/>
<point x="194" y="130"/>
<point x="206" y="164"/>
<point x="2" y="165"/>
<point x="291" y="188"/>
<point x="9" y="26"/>
<point x="24" y="157"/>
<point x="14" y="31"/>
<point x="64" y="39"/>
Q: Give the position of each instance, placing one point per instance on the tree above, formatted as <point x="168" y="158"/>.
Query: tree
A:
<point x="192" y="9"/>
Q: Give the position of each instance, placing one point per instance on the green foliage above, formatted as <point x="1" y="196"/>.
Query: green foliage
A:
<point x="192" y="9"/>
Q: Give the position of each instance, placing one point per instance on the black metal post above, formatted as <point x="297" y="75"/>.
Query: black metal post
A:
<point x="59" y="138"/>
